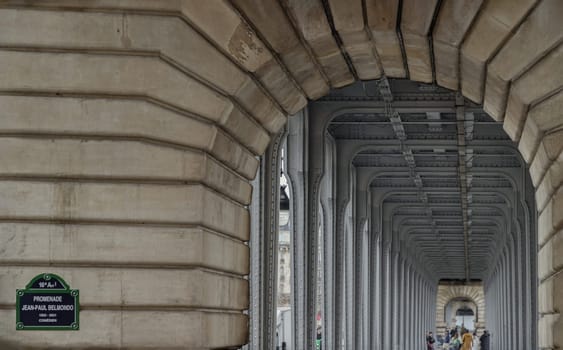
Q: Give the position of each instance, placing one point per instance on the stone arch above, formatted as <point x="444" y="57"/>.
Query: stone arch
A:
<point x="172" y="88"/>
<point x="448" y="293"/>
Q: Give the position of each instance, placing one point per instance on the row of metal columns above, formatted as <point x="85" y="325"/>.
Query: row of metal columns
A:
<point x="504" y="297"/>
<point x="376" y="295"/>
<point x="376" y="298"/>
<point x="403" y="303"/>
<point x="502" y="307"/>
<point x="382" y="298"/>
<point x="511" y="287"/>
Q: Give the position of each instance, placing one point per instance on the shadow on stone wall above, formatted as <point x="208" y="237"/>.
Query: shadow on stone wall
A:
<point x="8" y="345"/>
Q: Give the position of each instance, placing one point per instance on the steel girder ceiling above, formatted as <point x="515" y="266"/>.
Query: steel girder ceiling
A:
<point x="448" y="179"/>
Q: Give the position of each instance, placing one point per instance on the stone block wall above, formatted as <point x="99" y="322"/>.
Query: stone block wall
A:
<point x="129" y="132"/>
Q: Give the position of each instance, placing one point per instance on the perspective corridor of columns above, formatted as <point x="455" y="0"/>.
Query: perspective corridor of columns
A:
<point x="421" y="207"/>
<point x="136" y="137"/>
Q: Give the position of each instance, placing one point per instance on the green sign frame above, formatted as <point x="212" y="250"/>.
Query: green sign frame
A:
<point x="64" y="289"/>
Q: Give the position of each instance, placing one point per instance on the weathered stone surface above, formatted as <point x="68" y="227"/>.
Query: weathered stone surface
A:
<point x="545" y="297"/>
<point x="132" y="203"/>
<point x="452" y="23"/>
<point x="530" y="139"/>
<point x="548" y="151"/>
<point x="349" y="22"/>
<point x="102" y="245"/>
<point x="542" y="118"/>
<point x="491" y="27"/>
<point x="551" y="218"/>
<point x="254" y="99"/>
<point x="138" y="287"/>
<point x="541" y="30"/>
<point x="312" y="79"/>
<point x="361" y="51"/>
<point x="277" y="81"/>
<point x="277" y="30"/>
<point x="233" y="35"/>
<point x="418" y="57"/>
<point x="454" y="19"/>
<point x="546" y="325"/>
<point x="213" y="107"/>
<point x="121" y="118"/>
<point x="116" y="160"/>
<point x="382" y="21"/>
<point x="415" y="24"/>
<point x="139" y="32"/>
<point x="446" y="60"/>
<point x="147" y="5"/>
<point x="557" y="253"/>
<point x="312" y="23"/>
<point x="538" y="82"/>
<point x="234" y="329"/>
<point x="113" y="329"/>
<point x="558" y="306"/>
<point x="132" y="139"/>
<point x="446" y="293"/>
<point x="545" y="260"/>
<point x="72" y="73"/>
<point x="550" y="183"/>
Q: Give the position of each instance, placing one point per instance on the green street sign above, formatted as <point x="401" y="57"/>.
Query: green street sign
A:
<point x="47" y="303"/>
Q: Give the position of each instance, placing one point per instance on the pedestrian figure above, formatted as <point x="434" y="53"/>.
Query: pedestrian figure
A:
<point x="485" y="340"/>
<point x="476" y="341"/>
<point x="455" y="342"/>
<point x="447" y="340"/>
<point x="319" y="339"/>
<point x="467" y="340"/>
<point x="430" y="341"/>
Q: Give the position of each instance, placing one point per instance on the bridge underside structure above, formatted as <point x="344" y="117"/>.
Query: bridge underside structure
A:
<point x="133" y="132"/>
<point x="417" y="187"/>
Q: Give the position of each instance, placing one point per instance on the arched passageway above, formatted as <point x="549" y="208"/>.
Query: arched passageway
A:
<point x="130" y="132"/>
<point x="443" y="195"/>
<point x="452" y="296"/>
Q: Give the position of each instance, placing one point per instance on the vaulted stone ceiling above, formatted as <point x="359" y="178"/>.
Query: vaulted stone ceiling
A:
<point x="471" y="45"/>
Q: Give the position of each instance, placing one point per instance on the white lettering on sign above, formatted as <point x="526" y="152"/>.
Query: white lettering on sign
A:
<point x="47" y="307"/>
<point x="48" y="298"/>
<point x="60" y="307"/>
<point x="48" y="284"/>
<point x="26" y="307"/>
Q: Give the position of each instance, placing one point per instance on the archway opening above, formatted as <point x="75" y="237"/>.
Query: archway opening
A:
<point x="429" y="190"/>
<point x="465" y="318"/>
